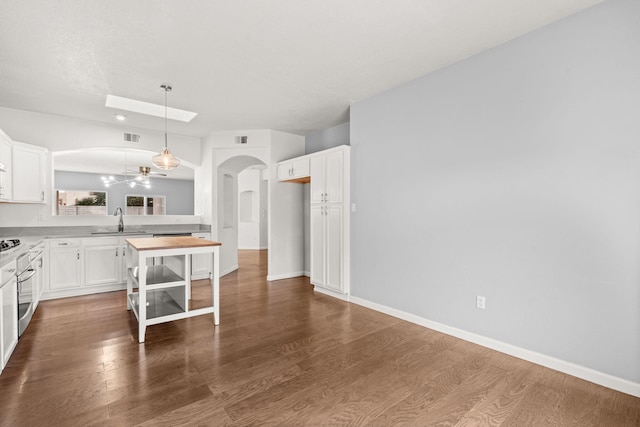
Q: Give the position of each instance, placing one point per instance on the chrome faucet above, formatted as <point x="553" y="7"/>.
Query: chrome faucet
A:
<point x="121" y="223"/>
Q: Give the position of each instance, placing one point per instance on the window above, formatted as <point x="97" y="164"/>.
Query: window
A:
<point x="145" y="205"/>
<point x="75" y="203"/>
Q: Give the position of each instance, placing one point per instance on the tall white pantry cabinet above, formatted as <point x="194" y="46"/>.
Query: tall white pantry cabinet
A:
<point x="329" y="220"/>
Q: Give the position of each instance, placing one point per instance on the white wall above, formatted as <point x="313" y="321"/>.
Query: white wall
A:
<point x="286" y="230"/>
<point x="284" y="217"/>
<point x="328" y="138"/>
<point x="264" y="209"/>
<point x="58" y="133"/>
<point x="514" y="175"/>
<point x="221" y="146"/>
<point x="249" y="231"/>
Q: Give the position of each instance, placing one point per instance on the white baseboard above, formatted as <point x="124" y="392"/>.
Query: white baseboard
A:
<point x="76" y="292"/>
<point x="307" y="273"/>
<point x="229" y="270"/>
<point x="273" y="277"/>
<point x="597" y="377"/>
<point x="338" y="295"/>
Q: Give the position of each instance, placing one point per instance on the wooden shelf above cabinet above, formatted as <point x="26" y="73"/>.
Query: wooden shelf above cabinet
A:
<point x="303" y="180"/>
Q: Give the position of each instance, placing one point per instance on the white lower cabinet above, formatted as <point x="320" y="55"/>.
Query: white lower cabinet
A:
<point x="65" y="264"/>
<point x="39" y="278"/>
<point x="8" y="313"/>
<point x="327" y="269"/>
<point x="201" y="267"/>
<point x="87" y="265"/>
<point x="102" y="261"/>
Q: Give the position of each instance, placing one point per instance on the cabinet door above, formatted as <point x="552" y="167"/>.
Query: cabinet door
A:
<point x="318" y="178"/>
<point x="317" y="226"/>
<point x="333" y="247"/>
<point x="294" y="169"/>
<point x="284" y="171"/>
<point x="301" y="167"/>
<point x="201" y="263"/>
<point x="333" y="177"/>
<point x="28" y="174"/>
<point x="5" y="177"/>
<point x="38" y="282"/>
<point x="9" y="313"/>
<point x="64" y="268"/>
<point x="102" y="265"/>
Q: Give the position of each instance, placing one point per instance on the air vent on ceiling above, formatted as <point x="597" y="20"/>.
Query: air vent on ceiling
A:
<point x="241" y="139"/>
<point x="131" y="137"/>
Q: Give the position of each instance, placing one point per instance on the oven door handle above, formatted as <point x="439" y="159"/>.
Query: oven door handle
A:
<point x="31" y="273"/>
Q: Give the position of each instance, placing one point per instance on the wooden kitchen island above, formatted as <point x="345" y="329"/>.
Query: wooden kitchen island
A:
<point x="162" y="294"/>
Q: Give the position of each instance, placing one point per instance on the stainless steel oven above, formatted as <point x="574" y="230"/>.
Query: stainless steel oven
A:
<point x="24" y="274"/>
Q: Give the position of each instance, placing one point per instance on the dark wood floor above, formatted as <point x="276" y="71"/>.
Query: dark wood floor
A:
<point x="282" y="355"/>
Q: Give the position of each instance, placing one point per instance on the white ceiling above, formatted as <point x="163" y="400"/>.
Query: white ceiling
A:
<point x="290" y="65"/>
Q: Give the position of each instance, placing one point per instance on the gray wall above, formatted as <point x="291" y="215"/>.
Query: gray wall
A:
<point x="328" y="138"/>
<point x="178" y="193"/>
<point x="515" y="175"/>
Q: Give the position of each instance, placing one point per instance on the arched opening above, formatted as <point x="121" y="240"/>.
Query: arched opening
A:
<point x="242" y="209"/>
<point x="136" y="186"/>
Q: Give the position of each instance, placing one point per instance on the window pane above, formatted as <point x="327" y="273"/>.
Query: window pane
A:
<point x="145" y="205"/>
<point x="73" y="203"/>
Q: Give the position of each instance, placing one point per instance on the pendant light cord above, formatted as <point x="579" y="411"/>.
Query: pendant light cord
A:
<point x="166" y="89"/>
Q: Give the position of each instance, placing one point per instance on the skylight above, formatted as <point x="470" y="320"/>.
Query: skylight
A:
<point x="148" y="108"/>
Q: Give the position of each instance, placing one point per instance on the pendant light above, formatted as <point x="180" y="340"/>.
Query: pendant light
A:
<point x="165" y="160"/>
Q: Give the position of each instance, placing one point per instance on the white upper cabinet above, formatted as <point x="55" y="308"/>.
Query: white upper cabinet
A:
<point x="5" y="168"/>
<point x="296" y="170"/>
<point x="327" y="181"/>
<point x="29" y="165"/>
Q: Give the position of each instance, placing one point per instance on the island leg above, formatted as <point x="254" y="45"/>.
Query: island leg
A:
<point x="142" y="297"/>
<point x="215" y="283"/>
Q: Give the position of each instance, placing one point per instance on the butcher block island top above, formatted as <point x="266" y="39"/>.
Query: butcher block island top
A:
<point x="164" y="294"/>
<point x="154" y="243"/>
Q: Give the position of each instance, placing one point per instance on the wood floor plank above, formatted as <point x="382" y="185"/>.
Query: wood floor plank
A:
<point x="282" y="355"/>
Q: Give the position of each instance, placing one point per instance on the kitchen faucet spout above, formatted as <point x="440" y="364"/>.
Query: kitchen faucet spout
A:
<point x="121" y="222"/>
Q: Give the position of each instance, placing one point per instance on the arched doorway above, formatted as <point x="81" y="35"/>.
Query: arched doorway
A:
<point x="242" y="208"/>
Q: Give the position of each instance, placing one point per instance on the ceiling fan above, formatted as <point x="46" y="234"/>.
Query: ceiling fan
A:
<point x="133" y="178"/>
<point x="143" y="171"/>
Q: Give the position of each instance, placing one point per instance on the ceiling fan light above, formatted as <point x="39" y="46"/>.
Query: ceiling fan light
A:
<point x="165" y="160"/>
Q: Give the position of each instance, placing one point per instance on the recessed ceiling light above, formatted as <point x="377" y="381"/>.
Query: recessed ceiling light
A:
<point x="148" y="108"/>
<point x="121" y="117"/>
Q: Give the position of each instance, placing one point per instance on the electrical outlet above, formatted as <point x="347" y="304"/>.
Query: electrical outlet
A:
<point x="480" y="302"/>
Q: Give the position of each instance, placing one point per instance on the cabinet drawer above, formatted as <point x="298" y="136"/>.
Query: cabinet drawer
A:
<point x="62" y="243"/>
